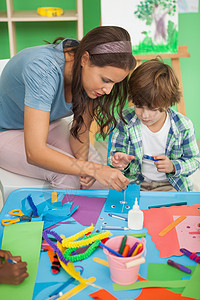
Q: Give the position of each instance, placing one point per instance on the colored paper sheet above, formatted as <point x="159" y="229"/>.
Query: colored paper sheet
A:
<point x="159" y="293"/>
<point x="149" y="283"/>
<point x="102" y="295"/>
<point x="23" y="239"/>
<point x="192" y="288"/>
<point x="157" y="271"/>
<point x="156" y="219"/>
<point x="89" y="208"/>
<point x="122" y="202"/>
<point x="186" y="240"/>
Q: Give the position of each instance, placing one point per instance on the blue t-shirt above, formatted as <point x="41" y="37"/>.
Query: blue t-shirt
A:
<point x="34" y="77"/>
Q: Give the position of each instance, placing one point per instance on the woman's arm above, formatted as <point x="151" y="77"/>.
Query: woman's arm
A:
<point x="36" y="128"/>
<point x="81" y="148"/>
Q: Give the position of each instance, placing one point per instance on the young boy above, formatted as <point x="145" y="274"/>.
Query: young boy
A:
<point x="156" y="147"/>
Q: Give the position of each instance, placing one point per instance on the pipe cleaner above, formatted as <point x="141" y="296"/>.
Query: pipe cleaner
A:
<point x="66" y="264"/>
<point x="77" y="235"/>
<point x="85" y="242"/>
<point x="81" y="256"/>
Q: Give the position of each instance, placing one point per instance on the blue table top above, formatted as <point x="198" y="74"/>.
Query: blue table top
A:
<point x="46" y="282"/>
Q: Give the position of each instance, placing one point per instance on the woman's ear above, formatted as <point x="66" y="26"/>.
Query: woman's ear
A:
<point x="85" y="59"/>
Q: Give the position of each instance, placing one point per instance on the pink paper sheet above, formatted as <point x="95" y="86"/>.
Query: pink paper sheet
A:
<point x="89" y="208"/>
<point x="186" y="240"/>
<point x="156" y="219"/>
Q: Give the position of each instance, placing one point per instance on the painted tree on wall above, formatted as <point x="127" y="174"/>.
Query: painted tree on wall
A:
<point x="155" y="11"/>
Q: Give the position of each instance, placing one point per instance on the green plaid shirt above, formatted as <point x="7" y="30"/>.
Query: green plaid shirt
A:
<point x="181" y="148"/>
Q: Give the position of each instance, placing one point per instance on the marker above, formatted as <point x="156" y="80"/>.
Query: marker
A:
<point x="114" y="228"/>
<point x="191" y="255"/>
<point x="178" y="266"/>
<point x="110" y="250"/>
<point x="12" y="261"/>
<point x="54" y="297"/>
<point x="118" y="217"/>
<point x="150" y="157"/>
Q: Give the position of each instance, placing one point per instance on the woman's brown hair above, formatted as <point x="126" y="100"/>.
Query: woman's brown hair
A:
<point x="107" y="106"/>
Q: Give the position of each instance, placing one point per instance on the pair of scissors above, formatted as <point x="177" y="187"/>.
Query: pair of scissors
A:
<point x="18" y="213"/>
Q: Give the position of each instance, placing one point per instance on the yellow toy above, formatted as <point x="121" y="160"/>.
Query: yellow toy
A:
<point x="50" y="11"/>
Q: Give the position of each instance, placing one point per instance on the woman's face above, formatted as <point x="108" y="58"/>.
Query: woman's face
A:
<point x="98" y="81"/>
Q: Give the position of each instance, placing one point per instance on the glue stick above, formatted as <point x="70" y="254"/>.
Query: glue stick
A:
<point x="135" y="217"/>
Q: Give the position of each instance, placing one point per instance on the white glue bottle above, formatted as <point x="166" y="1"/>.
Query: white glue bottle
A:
<point x="135" y="217"/>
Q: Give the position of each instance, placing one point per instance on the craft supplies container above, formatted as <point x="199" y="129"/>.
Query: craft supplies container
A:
<point x="119" y="273"/>
<point x="135" y="217"/>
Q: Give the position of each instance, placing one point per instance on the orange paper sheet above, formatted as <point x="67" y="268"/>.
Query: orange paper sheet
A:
<point x="158" y="294"/>
<point x="156" y="219"/>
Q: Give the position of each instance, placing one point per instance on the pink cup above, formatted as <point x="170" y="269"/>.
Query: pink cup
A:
<point x="119" y="273"/>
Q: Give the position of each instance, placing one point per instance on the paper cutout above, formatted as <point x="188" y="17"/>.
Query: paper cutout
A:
<point x="121" y="202"/>
<point x="157" y="271"/>
<point x="102" y="295"/>
<point x="159" y="293"/>
<point x="155" y="219"/>
<point x="23" y="239"/>
<point x="89" y="208"/>
<point x="186" y="240"/>
<point x="150" y="283"/>
<point x="192" y="288"/>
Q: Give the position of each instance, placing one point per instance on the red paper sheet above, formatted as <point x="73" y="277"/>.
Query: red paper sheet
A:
<point x="156" y="219"/>
<point x="155" y="293"/>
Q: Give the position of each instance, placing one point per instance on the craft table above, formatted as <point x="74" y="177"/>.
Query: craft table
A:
<point x="46" y="282"/>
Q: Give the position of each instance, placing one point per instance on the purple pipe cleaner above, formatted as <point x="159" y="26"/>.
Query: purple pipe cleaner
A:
<point x="55" y="248"/>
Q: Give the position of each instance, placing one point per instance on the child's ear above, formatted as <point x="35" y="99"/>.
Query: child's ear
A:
<point x="85" y="59"/>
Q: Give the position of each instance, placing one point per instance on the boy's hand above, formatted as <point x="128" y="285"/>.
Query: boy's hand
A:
<point x="121" y="160"/>
<point x="164" y="165"/>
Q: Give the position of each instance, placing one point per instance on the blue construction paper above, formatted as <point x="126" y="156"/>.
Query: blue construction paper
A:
<point x="115" y="201"/>
<point x="50" y="213"/>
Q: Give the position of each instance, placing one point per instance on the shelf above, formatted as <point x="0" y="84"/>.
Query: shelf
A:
<point x="3" y="16"/>
<point x="32" y="16"/>
<point x="12" y="16"/>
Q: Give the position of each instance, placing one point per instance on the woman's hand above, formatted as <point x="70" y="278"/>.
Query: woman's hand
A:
<point x="121" y="160"/>
<point x="109" y="177"/>
<point x="86" y="181"/>
<point x="164" y="165"/>
<point x="12" y="273"/>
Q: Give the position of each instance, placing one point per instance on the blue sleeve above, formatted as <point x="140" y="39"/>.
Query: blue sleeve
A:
<point x="41" y="80"/>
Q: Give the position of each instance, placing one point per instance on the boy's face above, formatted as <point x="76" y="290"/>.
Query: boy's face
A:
<point x="150" y="117"/>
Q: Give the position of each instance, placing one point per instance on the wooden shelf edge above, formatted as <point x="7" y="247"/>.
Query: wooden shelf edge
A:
<point x="32" y="16"/>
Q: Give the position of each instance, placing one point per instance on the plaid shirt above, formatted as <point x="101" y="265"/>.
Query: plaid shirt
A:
<point x="181" y="148"/>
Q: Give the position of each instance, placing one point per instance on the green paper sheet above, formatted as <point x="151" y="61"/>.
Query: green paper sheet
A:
<point x="23" y="239"/>
<point x="143" y="284"/>
<point x="192" y="288"/>
<point x="158" y="271"/>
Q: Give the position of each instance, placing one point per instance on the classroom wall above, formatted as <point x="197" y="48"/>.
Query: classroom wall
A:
<point x="34" y="33"/>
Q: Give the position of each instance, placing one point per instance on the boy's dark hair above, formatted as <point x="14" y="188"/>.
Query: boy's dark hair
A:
<point x="155" y="85"/>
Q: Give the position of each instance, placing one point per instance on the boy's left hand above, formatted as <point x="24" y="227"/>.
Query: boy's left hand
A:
<point x="164" y="165"/>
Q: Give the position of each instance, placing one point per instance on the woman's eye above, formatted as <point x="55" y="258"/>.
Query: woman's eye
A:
<point x="105" y="80"/>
